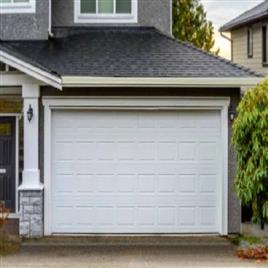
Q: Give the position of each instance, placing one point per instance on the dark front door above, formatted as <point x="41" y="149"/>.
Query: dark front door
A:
<point x="7" y="161"/>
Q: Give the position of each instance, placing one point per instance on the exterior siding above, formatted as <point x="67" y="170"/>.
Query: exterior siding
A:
<point x="240" y="56"/>
<point x="26" y="26"/>
<point x="156" y="13"/>
<point x="234" y="209"/>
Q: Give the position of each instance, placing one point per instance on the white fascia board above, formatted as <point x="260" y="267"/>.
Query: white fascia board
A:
<point x="31" y="70"/>
<point x="86" y="81"/>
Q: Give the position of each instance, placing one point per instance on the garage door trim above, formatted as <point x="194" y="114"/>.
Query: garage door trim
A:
<point x="137" y="103"/>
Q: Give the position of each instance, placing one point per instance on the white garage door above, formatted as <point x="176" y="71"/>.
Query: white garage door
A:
<point x="136" y="172"/>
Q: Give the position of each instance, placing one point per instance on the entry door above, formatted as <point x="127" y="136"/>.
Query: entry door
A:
<point x="7" y="162"/>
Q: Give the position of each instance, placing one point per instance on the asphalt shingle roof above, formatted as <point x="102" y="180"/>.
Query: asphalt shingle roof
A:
<point x="254" y="14"/>
<point x="121" y="52"/>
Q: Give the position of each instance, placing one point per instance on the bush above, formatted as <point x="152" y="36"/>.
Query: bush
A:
<point x="258" y="253"/>
<point x="250" y="138"/>
<point x="4" y="212"/>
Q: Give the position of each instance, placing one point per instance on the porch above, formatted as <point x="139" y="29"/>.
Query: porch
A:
<point x="19" y="168"/>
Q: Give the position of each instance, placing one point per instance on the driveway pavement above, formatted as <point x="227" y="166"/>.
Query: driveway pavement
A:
<point x="37" y="256"/>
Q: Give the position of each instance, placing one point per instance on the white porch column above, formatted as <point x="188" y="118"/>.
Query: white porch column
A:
<point x="31" y="172"/>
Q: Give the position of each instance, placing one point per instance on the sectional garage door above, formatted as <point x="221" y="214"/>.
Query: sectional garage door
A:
<point x="136" y="171"/>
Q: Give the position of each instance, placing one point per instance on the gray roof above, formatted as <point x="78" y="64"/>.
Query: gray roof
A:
<point x="255" y="14"/>
<point x="121" y="52"/>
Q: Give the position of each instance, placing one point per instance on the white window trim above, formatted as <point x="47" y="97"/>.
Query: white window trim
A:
<point x="18" y="8"/>
<point x="123" y="103"/>
<point x="105" y="18"/>
<point x="250" y="42"/>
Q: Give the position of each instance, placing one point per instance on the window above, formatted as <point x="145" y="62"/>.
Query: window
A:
<point x="265" y="45"/>
<point x="17" y="6"/>
<point x="250" y="42"/>
<point x="105" y="11"/>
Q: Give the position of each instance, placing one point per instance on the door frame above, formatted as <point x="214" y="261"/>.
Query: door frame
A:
<point x="17" y="118"/>
<point x="135" y="103"/>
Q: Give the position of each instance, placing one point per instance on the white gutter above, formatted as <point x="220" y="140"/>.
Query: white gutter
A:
<point x="32" y="71"/>
<point x="50" y="19"/>
<point x="85" y="81"/>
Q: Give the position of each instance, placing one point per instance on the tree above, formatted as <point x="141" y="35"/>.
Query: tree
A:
<point x="190" y="24"/>
<point x="250" y="138"/>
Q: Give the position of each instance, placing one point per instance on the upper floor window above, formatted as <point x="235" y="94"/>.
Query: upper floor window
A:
<point x="106" y="11"/>
<point x="17" y="6"/>
<point x="265" y="45"/>
<point x="250" y="42"/>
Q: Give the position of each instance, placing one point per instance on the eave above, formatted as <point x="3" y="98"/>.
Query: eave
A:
<point x="230" y="82"/>
<point x="31" y="70"/>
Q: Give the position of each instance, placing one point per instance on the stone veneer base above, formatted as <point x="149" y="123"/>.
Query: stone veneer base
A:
<point x="31" y="213"/>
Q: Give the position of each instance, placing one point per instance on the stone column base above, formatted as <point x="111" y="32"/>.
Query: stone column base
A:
<point x="31" y="213"/>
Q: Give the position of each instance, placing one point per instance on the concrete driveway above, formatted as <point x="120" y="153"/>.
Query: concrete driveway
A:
<point x="116" y="256"/>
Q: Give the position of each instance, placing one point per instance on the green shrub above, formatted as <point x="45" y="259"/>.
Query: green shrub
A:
<point x="250" y="138"/>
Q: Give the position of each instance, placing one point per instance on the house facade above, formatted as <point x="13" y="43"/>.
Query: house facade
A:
<point x="249" y="38"/>
<point x="108" y="125"/>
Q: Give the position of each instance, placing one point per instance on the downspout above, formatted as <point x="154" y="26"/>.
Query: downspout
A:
<point x="50" y="34"/>
<point x="231" y="42"/>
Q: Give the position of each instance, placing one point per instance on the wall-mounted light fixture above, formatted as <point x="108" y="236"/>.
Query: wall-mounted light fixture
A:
<point x="232" y="114"/>
<point x="30" y="113"/>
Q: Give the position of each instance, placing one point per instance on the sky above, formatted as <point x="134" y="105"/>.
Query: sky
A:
<point x="222" y="11"/>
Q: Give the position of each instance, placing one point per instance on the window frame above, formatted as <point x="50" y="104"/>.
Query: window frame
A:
<point x="265" y="45"/>
<point x="250" y="42"/>
<point x="105" y="18"/>
<point x="18" y="8"/>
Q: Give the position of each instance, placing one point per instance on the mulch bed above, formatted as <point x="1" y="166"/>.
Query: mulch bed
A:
<point x="9" y="244"/>
<point x="258" y="253"/>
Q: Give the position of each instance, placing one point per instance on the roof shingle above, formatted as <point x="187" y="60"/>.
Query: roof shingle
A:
<point x="121" y="52"/>
<point x="254" y="14"/>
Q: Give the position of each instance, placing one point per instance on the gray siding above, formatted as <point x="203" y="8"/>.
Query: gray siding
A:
<point x="234" y="209"/>
<point x="240" y="55"/>
<point x="26" y="26"/>
<point x="150" y="13"/>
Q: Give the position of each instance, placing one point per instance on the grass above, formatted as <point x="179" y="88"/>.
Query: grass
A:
<point x="9" y="244"/>
<point x="250" y="240"/>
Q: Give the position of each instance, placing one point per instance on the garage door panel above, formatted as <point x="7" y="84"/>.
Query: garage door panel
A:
<point x="208" y="216"/>
<point x="127" y="218"/>
<point x="98" y="199"/>
<point x="167" y="216"/>
<point x="208" y="183"/>
<point x="135" y="171"/>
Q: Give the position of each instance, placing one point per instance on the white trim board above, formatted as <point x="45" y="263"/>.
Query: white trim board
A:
<point x="16" y="80"/>
<point x="87" y="81"/>
<point x="51" y="104"/>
